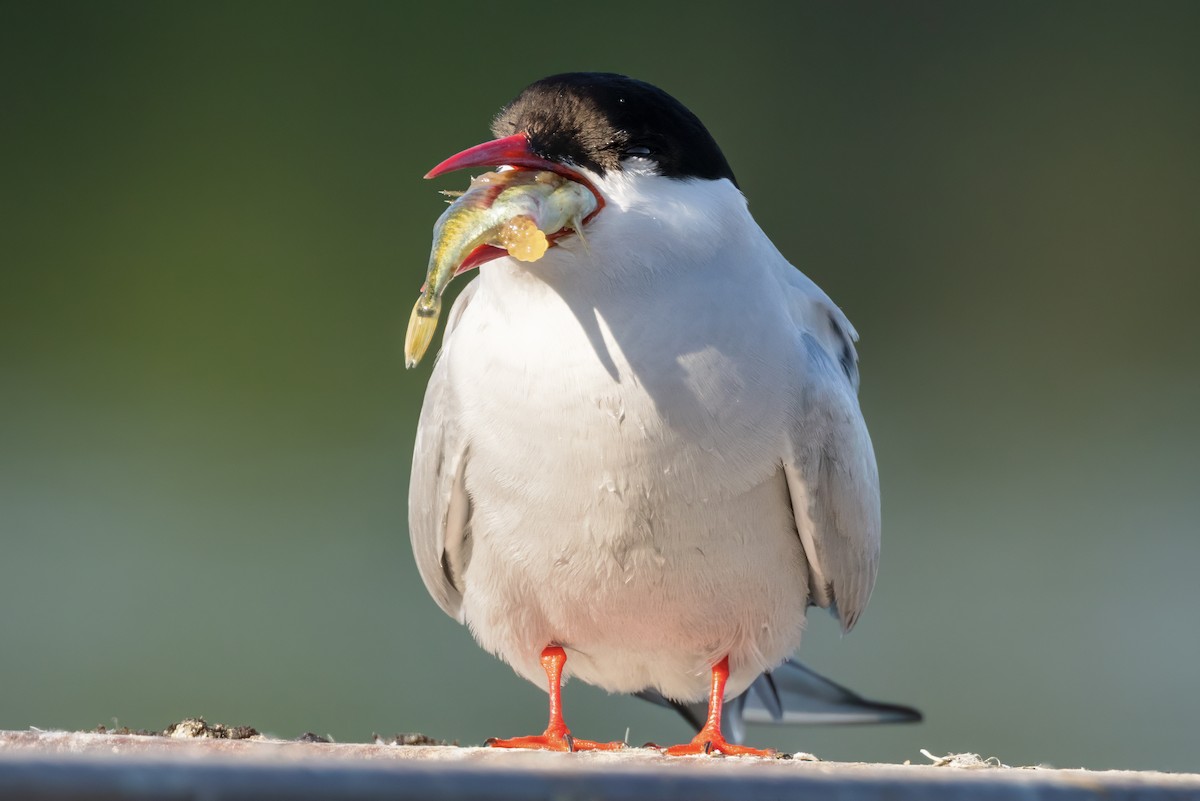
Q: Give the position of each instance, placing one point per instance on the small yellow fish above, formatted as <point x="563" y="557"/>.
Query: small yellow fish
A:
<point x="514" y="210"/>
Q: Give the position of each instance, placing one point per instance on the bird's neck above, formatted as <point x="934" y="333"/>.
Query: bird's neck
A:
<point x="652" y="229"/>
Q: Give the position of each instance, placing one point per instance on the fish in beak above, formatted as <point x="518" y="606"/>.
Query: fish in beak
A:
<point x="519" y="211"/>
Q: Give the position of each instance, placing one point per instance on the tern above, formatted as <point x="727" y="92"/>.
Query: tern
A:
<point x="641" y="458"/>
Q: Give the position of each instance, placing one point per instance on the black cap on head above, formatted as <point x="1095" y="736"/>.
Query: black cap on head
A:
<point x="596" y="119"/>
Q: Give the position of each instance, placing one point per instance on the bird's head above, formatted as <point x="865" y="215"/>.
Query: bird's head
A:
<point x="631" y="144"/>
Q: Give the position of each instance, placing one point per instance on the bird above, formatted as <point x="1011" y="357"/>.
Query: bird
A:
<point x="641" y="459"/>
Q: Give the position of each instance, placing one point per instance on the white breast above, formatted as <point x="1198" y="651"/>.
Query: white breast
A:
<point x="625" y="431"/>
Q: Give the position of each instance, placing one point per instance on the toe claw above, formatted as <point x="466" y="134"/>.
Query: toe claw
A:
<point x="711" y="743"/>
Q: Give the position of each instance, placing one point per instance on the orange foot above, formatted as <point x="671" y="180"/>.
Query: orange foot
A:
<point x="555" y="739"/>
<point x="558" y="736"/>
<point x="710" y="738"/>
<point x="710" y="741"/>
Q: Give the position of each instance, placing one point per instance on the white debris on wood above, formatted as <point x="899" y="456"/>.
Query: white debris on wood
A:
<point x="964" y="760"/>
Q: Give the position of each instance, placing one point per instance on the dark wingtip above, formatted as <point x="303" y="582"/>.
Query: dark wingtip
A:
<point x="796" y="695"/>
<point x="791" y="695"/>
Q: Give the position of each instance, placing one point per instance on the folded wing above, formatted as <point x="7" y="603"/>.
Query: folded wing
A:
<point x="829" y="462"/>
<point x="439" y="509"/>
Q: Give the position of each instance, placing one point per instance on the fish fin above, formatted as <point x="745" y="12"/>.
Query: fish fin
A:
<point x="577" y="227"/>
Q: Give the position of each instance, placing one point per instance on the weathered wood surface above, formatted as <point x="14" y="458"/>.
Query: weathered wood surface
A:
<point x="49" y="766"/>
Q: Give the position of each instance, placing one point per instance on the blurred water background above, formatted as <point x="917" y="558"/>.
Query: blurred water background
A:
<point x="213" y="224"/>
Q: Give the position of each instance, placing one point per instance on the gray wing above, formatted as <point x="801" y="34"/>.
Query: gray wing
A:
<point x="830" y="465"/>
<point x="439" y="509"/>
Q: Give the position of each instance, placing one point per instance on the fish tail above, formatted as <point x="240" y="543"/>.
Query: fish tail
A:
<point x="421" y="325"/>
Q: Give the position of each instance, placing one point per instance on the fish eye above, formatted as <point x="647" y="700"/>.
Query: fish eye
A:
<point x="638" y="151"/>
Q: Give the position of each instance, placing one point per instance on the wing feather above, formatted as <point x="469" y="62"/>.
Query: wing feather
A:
<point x="830" y="465"/>
<point x="439" y="509"/>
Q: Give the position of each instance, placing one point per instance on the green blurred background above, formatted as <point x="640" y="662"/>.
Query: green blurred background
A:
<point x="213" y="224"/>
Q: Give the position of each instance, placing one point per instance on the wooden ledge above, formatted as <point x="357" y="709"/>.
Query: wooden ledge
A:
<point x="111" y="767"/>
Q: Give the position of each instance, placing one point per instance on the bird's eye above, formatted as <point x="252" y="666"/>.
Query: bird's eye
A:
<point x="639" y="151"/>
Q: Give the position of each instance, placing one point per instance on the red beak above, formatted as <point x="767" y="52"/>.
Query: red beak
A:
<point x="511" y="151"/>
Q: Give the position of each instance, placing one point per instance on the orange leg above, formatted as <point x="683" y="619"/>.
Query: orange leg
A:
<point x="558" y="736"/>
<point x="710" y="738"/>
